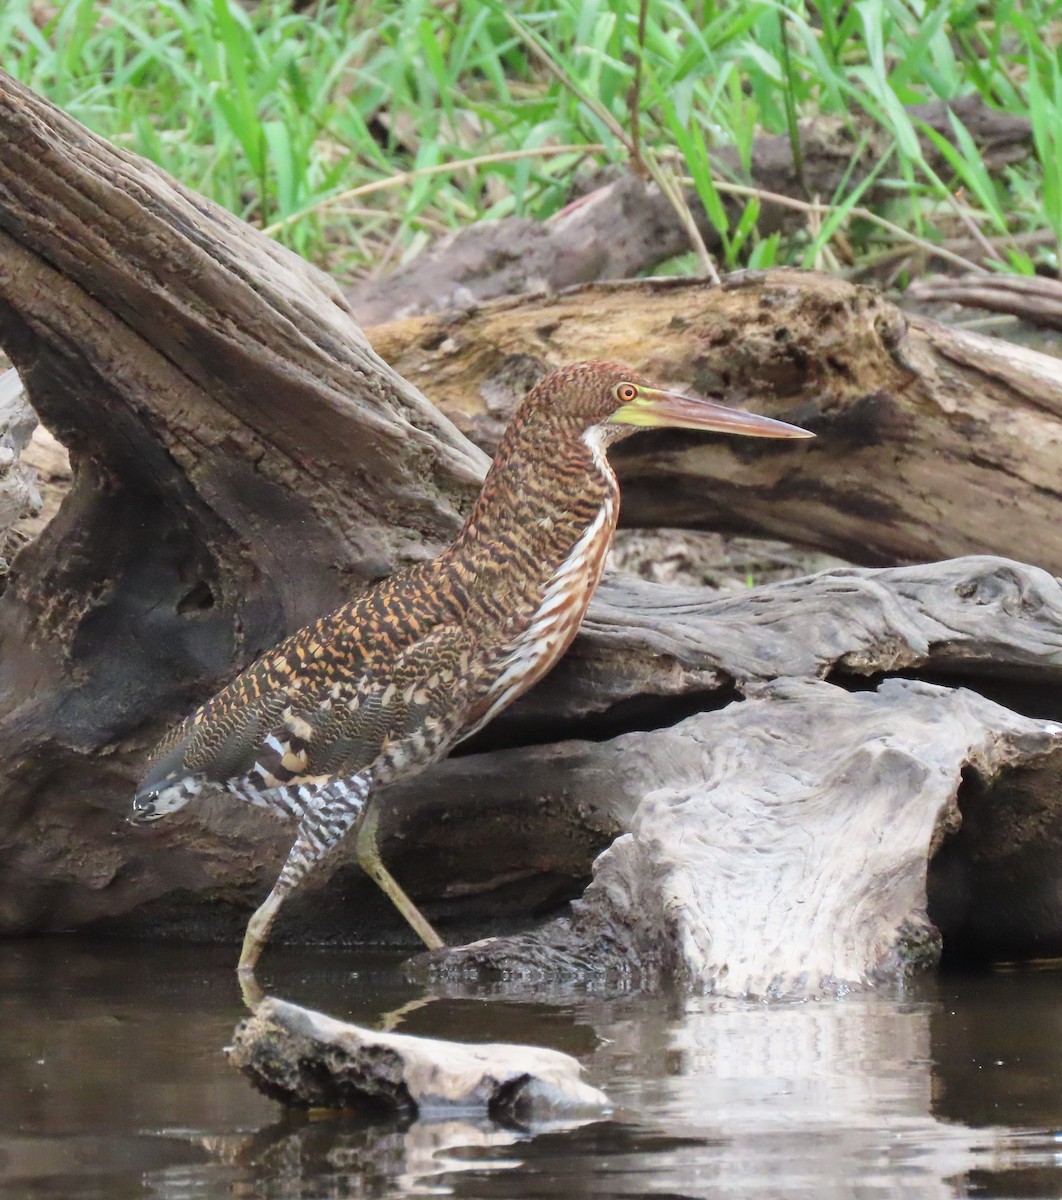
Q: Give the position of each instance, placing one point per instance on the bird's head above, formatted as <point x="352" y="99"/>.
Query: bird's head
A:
<point x="615" y="401"/>
<point x="163" y="791"/>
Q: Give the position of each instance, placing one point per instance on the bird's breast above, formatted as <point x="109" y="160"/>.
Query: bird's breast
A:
<point x="554" y="621"/>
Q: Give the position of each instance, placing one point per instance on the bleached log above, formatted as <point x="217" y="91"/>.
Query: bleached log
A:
<point x="306" y="1059"/>
<point x="780" y="848"/>
<point x="745" y="1083"/>
<point x="973" y="617"/>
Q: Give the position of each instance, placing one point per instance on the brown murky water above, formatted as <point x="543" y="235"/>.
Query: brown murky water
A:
<point x="114" y="1085"/>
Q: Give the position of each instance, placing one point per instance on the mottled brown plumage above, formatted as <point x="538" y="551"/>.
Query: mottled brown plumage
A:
<point x="388" y="683"/>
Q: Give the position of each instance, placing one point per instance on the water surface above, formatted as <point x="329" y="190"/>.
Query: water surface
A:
<point x="114" y="1085"/>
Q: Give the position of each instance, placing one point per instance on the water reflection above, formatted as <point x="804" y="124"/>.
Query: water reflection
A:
<point x="114" y="1085"/>
<point x="344" y="1156"/>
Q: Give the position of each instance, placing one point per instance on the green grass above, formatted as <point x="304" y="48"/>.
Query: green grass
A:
<point x="330" y="126"/>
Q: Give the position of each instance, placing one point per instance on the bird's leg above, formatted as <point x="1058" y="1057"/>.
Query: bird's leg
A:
<point x="254" y="939"/>
<point x="369" y="860"/>
<point x="251" y="990"/>
<point x="329" y="813"/>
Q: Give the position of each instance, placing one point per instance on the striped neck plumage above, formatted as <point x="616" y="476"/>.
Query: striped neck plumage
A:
<point x="545" y="488"/>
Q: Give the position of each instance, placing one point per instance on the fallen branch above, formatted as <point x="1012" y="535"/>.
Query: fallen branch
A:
<point x="628" y="226"/>
<point x="1036" y="299"/>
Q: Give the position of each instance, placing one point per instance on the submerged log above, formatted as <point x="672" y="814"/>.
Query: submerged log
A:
<point x="306" y="1059"/>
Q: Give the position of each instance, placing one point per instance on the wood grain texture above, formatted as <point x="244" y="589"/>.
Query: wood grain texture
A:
<point x="932" y="443"/>
<point x="973" y="618"/>
<point x="780" y="848"/>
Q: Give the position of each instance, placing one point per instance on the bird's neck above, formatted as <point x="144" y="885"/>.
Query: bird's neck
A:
<point x="543" y="493"/>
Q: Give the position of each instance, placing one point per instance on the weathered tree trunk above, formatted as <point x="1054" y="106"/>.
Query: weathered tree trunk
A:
<point x="932" y="442"/>
<point x="242" y="461"/>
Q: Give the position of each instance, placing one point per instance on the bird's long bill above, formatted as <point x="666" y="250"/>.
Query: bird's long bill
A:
<point x="654" y="409"/>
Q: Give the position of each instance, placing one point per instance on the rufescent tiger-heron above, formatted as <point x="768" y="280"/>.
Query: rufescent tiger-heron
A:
<point x="386" y="685"/>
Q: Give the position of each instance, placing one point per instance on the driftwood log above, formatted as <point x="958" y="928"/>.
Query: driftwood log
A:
<point x="243" y="459"/>
<point x="625" y="227"/>
<point x="308" y="1060"/>
<point x="931" y="442"/>
<point x="779" y="848"/>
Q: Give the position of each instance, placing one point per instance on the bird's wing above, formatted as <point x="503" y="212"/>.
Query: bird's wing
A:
<point x="310" y="711"/>
<point x="401" y="716"/>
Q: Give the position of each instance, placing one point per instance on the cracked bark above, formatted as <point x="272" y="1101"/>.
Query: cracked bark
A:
<point x="933" y="442"/>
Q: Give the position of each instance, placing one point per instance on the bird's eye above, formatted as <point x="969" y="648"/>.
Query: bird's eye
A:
<point x="626" y="392"/>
